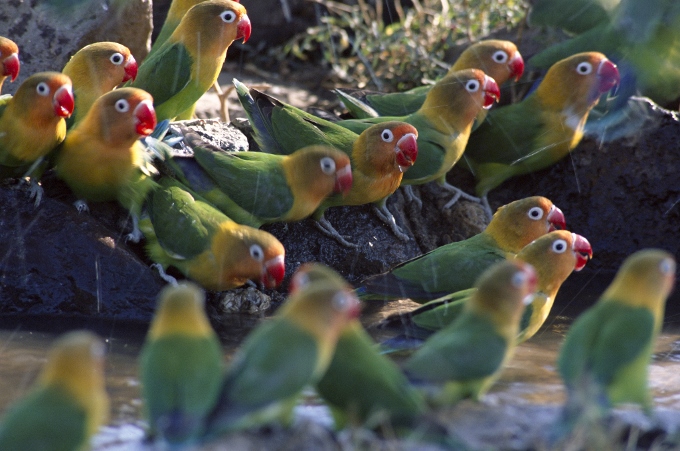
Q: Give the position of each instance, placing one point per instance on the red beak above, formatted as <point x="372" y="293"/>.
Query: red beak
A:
<point x="556" y="219"/>
<point x="63" y="102"/>
<point x="491" y="92"/>
<point x="273" y="272"/>
<point x="11" y="66"/>
<point x="608" y="76"/>
<point x="145" y="118"/>
<point x="130" y="69"/>
<point x="583" y="251"/>
<point x="516" y="65"/>
<point x="243" y="28"/>
<point x="343" y="180"/>
<point x="407" y="151"/>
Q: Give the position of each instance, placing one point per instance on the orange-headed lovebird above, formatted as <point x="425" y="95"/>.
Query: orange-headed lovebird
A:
<point x="186" y="65"/>
<point x="379" y="156"/>
<point x="95" y="70"/>
<point x="205" y="245"/>
<point x="282" y="356"/>
<point x="102" y="159"/>
<point x="9" y="60"/>
<point x="456" y="266"/>
<point x="32" y="124"/>
<point x="67" y="404"/>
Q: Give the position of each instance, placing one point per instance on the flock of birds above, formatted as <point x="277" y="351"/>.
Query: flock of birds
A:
<point x="201" y="215"/>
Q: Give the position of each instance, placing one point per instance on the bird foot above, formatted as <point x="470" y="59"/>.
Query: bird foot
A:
<point x="487" y="208"/>
<point x="388" y="218"/>
<point x="222" y="96"/>
<point x="458" y="193"/>
<point x="136" y="233"/>
<point x="81" y="206"/>
<point x="36" y="192"/>
<point x="165" y="276"/>
<point x="327" y="229"/>
<point x="411" y="196"/>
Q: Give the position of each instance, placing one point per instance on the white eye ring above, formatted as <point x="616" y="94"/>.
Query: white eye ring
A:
<point x="122" y="106"/>
<point x="559" y="246"/>
<point x="535" y="213"/>
<point x="500" y="56"/>
<point x="228" y="16"/>
<point x="341" y="301"/>
<point x="584" y="68"/>
<point x="117" y="58"/>
<point x="327" y="165"/>
<point x="518" y="279"/>
<point x="667" y="266"/>
<point x="387" y="136"/>
<point x="472" y="85"/>
<point x="42" y="89"/>
<point x="256" y="252"/>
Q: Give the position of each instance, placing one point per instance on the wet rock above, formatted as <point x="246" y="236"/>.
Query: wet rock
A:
<point x="247" y="300"/>
<point x="48" y="32"/>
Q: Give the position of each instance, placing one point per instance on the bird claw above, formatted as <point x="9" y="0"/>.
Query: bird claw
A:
<point x="388" y="218"/>
<point x="327" y="229"/>
<point x="411" y="196"/>
<point x="36" y="192"/>
<point x="165" y="276"/>
<point x="136" y="233"/>
<point x="81" y="206"/>
<point x="487" y="208"/>
<point x="458" y="193"/>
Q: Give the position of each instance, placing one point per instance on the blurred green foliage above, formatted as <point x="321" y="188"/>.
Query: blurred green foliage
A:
<point x="362" y="48"/>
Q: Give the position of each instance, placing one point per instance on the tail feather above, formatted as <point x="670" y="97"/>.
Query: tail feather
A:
<point x="258" y="107"/>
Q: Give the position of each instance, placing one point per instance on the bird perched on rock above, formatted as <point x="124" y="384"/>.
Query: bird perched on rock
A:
<point x="187" y="64"/>
<point x="9" y="60"/>
<point x="379" y="155"/>
<point x="66" y="405"/>
<point x="32" y="124"/>
<point x="456" y="266"/>
<point x="541" y="129"/>
<point x="282" y="356"/>
<point x="95" y="70"/>
<point x="102" y="159"/>
<point x="180" y="365"/>
<point x="466" y="357"/>
<point x="204" y="244"/>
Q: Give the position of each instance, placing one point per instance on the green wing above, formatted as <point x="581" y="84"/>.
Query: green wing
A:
<point x="431" y="150"/>
<point x="574" y="16"/>
<point x="47" y="419"/>
<point x="441" y="312"/>
<point x="356" y="107"/>
<point x="398" y="103"/>
<point x="254" y="180"/>
<point x="165" y="73"/>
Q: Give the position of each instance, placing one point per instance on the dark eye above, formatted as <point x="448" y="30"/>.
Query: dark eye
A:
<point x="667" y="266"/>
<point x="256" y="252"/>
<point x="327" y="165"/>
<point x="500" y="56"/>
<point x="228" y="16"/>
<point x="122" y="106"/>
<point x="584" y="68"/>
<point x="472" y="85"/>
<point x="42" y="89"/>
<point x="559" y="246"/>
<point x="535" y="213"/>
<point x="117" y="59"/>
<point x="387" y="136"/>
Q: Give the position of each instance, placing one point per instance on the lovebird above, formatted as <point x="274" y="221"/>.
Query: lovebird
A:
<point x="102" y="159"/>
<point x="180" y="365"/>
<point x="95" y="70"/>
<point x="68" y="402"/>
<point x="380" y="155"/>
<point x="361" y="386"/>
<point x="188" y="63"/>
<point x="573" y="16"/>
<point x="205" y="245"/>
<point x="498" y="59"/>
<point x="282" y="356"/>
<point x="256" y="188"/>
<point x="9" y="60"/>
<point x="466" y="357"/>
<point x="177" y="10"/>
<point x="456" y="266"/>
<point x="444" y="123"/>
<point x="643" y="38"/>
<point x="554" y="256"/>
<point x="605" y="355"/>
<point x="32" y="124"/>
<point x="541" y="129"/>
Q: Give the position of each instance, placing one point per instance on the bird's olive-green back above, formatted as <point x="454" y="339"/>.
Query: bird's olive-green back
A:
<point x="165" y="73"/>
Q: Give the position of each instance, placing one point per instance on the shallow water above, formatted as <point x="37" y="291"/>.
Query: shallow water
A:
<point x="530" y="378"/>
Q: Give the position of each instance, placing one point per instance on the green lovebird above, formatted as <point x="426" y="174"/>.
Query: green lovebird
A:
<point x="205" y="245"/>
<point x="180" y="366"/>
<point x="188" y="63"/>
<point x="66" y="405"/>
<point x="573" y="16"/>
<point x="282" y="356"/>
<point x="456" y="266"/>
<point x="465" y="358"/>
<point x="498" y="59"/>
<point x="9" y="60"/>
<point x="95" y="70"/>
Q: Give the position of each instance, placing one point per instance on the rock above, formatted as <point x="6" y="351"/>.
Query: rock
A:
<point x="48" y="32"/>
